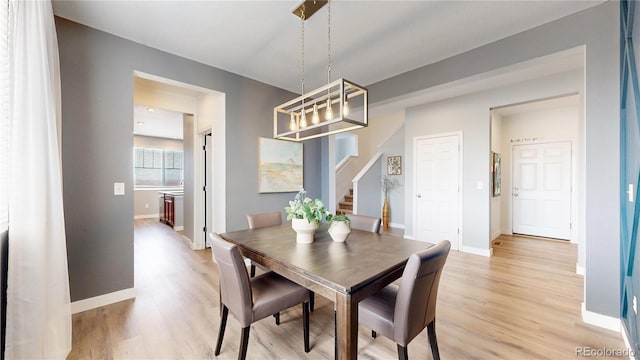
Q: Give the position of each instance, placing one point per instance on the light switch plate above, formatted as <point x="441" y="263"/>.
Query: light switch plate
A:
<point x="480" y="185"/>
<point x="118" y="188"/>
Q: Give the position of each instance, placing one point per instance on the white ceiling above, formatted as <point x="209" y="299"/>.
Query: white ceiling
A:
<point x="372" y="40"/>
<point x="156" y="122"/>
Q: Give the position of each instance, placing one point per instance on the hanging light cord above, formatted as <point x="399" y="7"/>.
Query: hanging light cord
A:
<point x="302" y="49"/>
<point x="328" y="42"/>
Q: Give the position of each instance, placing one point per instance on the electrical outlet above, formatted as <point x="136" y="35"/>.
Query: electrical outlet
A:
<point x="146" y="205"/>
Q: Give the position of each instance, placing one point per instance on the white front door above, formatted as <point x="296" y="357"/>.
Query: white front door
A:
<point x="438" y="189"/>
<point x="542" y="190"/>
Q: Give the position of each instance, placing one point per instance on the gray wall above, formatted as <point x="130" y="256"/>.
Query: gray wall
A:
<point x="370" y="191"/>
<point x="146" y="197"/>
<point x="97" y="124"/>
<point x="188" y="131"/>
<point x="598" y="29"/>
<point x="395" y="147"/>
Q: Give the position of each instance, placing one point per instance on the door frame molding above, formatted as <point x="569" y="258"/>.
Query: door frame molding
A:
<point x="460" y="187"/>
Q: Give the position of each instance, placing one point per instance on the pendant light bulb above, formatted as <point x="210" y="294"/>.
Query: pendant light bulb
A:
<point x="292" y="123"/>
<point x="315" y="118"/>
<point x="328" y="115"/>
<point x="345" y="107"/>
<point x="303" y="119"/>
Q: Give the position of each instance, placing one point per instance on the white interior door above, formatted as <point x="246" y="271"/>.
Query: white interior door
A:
<point x="542" y="190"/>
<point x="438" y="189"/>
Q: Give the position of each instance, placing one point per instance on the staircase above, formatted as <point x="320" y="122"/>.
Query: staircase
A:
<point x="346" y="206"/>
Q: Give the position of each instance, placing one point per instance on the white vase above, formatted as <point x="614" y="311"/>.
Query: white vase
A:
<point x="339" y="230"/>
<point x="304" y="230"/>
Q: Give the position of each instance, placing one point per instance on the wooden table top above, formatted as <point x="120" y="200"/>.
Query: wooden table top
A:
<point x="344" y="267"/>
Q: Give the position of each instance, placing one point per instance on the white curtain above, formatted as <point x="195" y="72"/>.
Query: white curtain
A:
<point x="38" y="306"/>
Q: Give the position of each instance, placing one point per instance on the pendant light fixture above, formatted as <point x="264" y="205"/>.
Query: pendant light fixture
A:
<point x="290" y="118"/>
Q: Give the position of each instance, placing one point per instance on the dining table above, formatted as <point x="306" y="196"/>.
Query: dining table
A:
<point x="343" y="272"/>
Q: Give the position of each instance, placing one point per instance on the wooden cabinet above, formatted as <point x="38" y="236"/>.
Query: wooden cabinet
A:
<point x="170" y="209"/>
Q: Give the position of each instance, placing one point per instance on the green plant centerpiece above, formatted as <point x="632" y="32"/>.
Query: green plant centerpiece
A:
<point x="340" y="227"/>
<point x="305" y="215"/>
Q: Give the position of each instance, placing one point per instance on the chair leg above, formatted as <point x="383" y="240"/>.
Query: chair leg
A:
<point x="402" y="353"/>
<point x="223" y="325"/>
<point x="277" y="317"/>
<point x="312" y="301"/>
<point x="305" y="325"/>
<point x="253" y="270"/>
<point x="244" y="342"/>
<point x="433" y="341"/>
<point x="374" y="334"/>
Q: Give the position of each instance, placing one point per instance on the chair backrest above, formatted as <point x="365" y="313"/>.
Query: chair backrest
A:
<point x="265" y="219"/>
<point x="418" y="292"/>
<point x="235" y="285"/>
<point x="366" y="223"/>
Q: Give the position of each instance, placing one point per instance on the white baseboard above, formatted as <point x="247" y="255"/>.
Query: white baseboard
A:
<point x="409" y="237"/>
<point x="178" y="228"/>
<point x="396" y="226"/>
<point x="102" y="300"/>
<point x="603" y="321"/>
<point x="147" y="216"/>
<point x="476" y="251"/>
<point x="495" y="235"/>
<point x="580" y="269"/>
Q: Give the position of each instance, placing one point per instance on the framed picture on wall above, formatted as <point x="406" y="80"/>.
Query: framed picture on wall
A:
<point x="394" y="165"/>
<point x="496" y="172"/>
<point x="280" y="167"/>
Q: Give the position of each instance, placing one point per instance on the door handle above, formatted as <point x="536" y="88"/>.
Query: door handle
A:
<point x="515" y="194"/>
<point x="419" y="196"/>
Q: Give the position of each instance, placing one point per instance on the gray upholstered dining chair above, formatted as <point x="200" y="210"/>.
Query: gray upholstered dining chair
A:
<point x="366" y="223"/>
<point x="402" y="312"/>
<point x="261" y="220"/>
<point x="264" y="219"/>
<point x="253" y="299"/>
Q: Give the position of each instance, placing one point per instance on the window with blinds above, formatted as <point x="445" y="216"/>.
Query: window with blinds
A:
<point x="157" y="167"/>
<point x="4" y="114"/>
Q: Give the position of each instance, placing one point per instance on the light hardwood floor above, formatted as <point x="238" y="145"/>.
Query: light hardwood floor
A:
<point x="523" y="303"/>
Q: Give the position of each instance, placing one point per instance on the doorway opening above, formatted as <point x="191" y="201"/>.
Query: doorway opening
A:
<point x="542" y="157"/>
<point x="539" y="143"/>
<point x="203" y="113"/>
